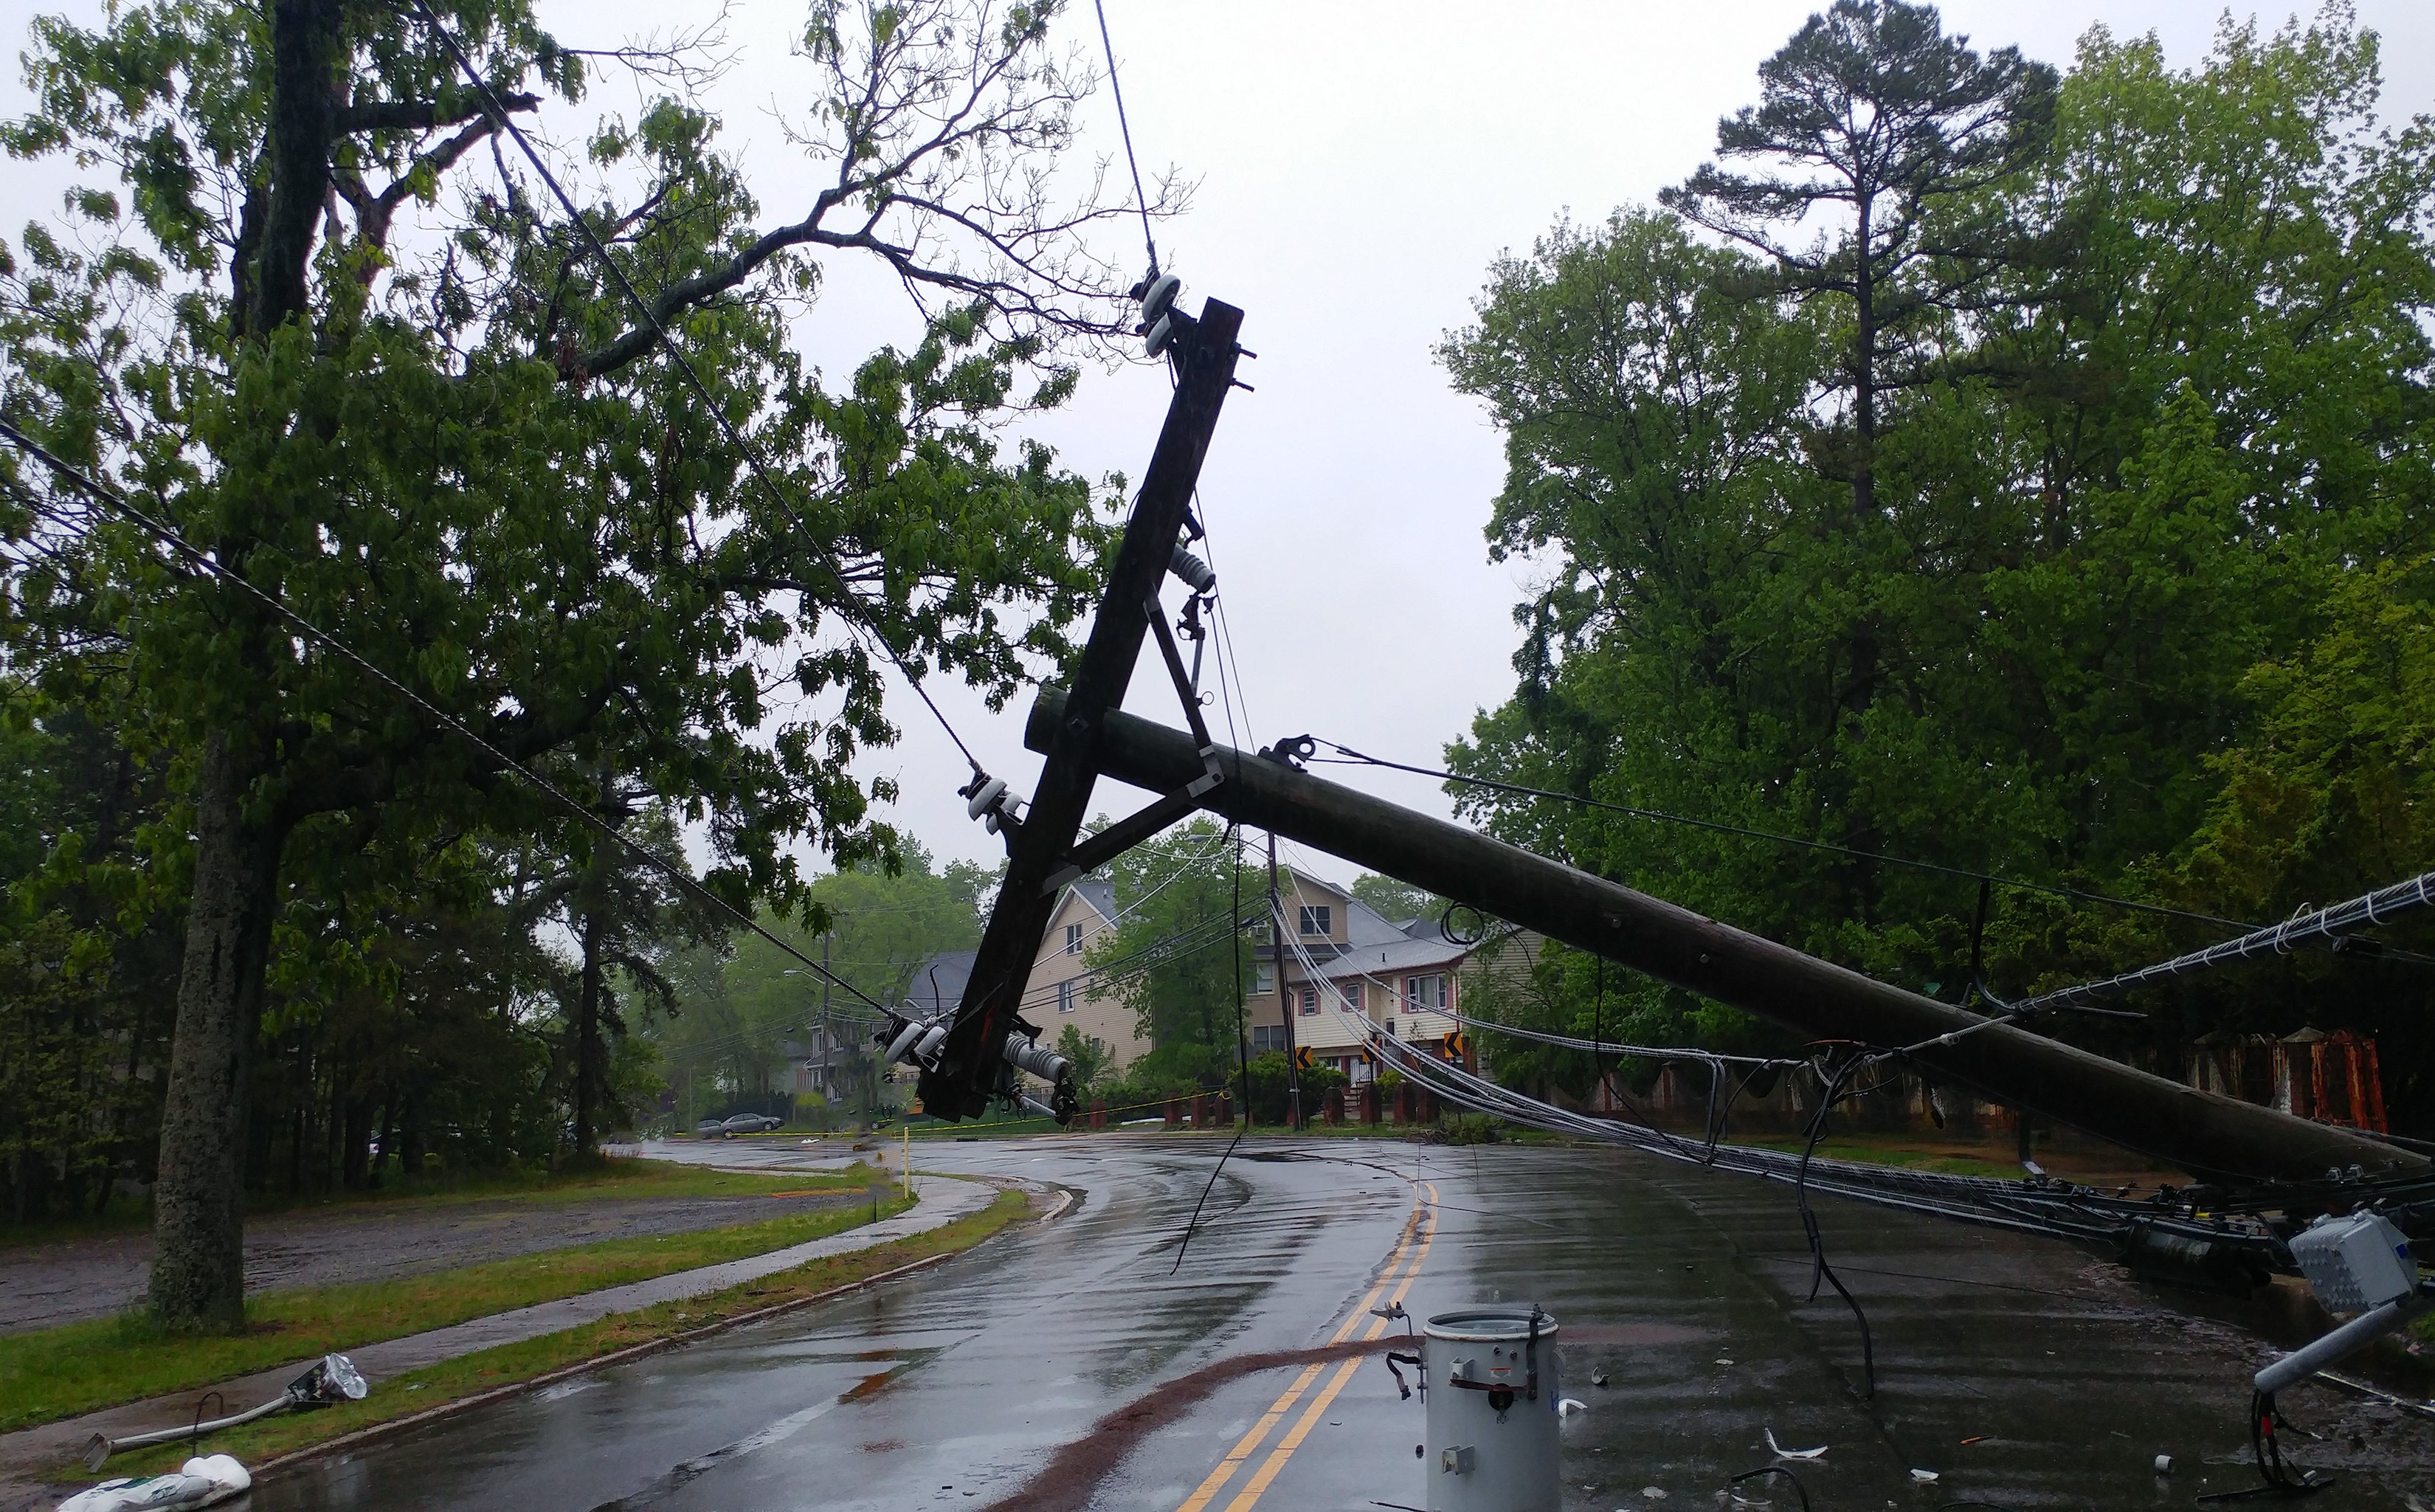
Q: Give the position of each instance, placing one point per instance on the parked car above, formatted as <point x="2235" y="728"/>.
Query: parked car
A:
<point x="709" y="1129"/>
<point x="750" y="1123"/>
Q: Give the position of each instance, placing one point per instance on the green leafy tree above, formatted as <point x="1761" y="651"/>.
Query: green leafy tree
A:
<point x="1175" y="956"/>
<point x="1396" y="900"/>
<point x="1875" y="113"/>
<point x="462" y="456"/>
<point x="874" y="925"/>
<point x="2133" y="500"/>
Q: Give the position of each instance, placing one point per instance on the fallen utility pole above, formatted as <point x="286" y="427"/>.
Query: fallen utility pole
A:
<point x="2200" y="1132"/>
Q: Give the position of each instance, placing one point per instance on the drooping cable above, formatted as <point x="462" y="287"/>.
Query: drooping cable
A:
<point x="2328" y="923"/>
<point x="104" y="494"/>
<point x="1125" y="126"/>
<point x="650" y="313"/>
<point x="1819" y="1268"/>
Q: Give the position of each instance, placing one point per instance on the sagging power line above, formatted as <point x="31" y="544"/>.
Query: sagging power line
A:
<point x="2332" y="924"/>
<point x="102" y="493"/>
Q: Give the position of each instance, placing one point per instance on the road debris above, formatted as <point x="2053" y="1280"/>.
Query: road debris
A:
<point x="1782" y="1453"/>
<point x="204" y="1481"/>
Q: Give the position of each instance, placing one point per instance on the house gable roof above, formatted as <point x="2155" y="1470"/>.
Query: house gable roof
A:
<point x="938" y="984"/>
<point x="1097" y="893"/>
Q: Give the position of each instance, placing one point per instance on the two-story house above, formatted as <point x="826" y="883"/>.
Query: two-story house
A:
<point x="1061" y="987"/>
<point x="1344" y="963"/>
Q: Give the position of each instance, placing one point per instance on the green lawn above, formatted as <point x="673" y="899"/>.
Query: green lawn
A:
<point x="52" y="1373"/>
<point x="622" y="1177"/>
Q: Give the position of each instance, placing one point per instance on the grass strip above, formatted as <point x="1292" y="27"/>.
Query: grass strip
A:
<point x="46" y="1374"/>
<point x="619" y="1178"/>
<point x="416" y="1394"/>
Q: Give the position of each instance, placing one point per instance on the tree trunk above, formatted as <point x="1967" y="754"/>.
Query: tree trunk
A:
<point x="198" y="1219"/>
<point x="587" y="1036"/>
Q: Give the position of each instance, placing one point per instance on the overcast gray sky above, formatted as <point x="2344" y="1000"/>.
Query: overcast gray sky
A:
<point x="1359" y="166"/>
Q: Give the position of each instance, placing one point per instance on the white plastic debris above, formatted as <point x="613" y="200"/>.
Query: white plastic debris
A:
<point x="1597" y="1378"/>
<point x="1566" y="1406"/>
<point x="2163" y="1464"/>
<point x="1923" y="1477"/>
<point x="204" y="1481"/>
<point x="1654" y="1493"/>
<point x="1782" y="1453"/>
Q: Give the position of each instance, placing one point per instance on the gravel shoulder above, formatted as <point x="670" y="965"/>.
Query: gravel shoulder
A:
<point x="44" y="1285"/>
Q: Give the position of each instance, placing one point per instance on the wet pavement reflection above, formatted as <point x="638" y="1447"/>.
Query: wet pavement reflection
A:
<point x="2018" y="1373"/>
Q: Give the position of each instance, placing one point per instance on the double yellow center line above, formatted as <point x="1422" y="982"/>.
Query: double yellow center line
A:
<point x="1411" y="1250"/>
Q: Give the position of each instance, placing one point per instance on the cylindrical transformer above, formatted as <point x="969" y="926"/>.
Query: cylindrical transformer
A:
<point x="1493" y="1445"/>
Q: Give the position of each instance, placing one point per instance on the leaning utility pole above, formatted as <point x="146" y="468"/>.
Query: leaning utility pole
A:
<point x="970" y="1062"/>
<point x="2200" y="1132"/>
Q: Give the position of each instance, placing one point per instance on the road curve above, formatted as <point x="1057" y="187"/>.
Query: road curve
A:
<point x="2016" y="1372"/>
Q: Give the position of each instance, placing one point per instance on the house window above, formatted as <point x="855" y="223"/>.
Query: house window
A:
<point x="1073" y="939"/>
<point x="1098" y="1046"/>
<point x="1065" y="996"/>
<point x="1316" y="919"/>
<point x="1424" y="994"/>
<point x="1267" y="1037"/>
<point x="1264" y="980"/>
<point x="1309" y="1001"/>
<point x="1352" y="995"/>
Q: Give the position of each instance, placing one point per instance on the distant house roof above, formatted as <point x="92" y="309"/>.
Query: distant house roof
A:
<point x="938" y="984"/>
<point x="1401" y="953"/>
<point x="1099" y="893"/>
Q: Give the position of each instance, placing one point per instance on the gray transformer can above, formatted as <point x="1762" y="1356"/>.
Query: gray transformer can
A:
<point x="1492" y="1440"/>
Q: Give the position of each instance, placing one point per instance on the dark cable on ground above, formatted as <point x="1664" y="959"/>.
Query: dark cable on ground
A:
<point x="651" y="317"/>
<point x="102" y="493"/>
<point x="1818" y="1268"/>
<point x="1195" y="1220"/>
<point x="1234" y="833"/>
<point x="1797" y="1489"/>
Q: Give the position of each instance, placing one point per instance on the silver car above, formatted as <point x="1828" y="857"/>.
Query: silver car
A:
<point x="749" y="1123"/>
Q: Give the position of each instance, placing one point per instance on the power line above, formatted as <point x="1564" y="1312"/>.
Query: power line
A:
<point x="2277" y="939"/>
<point x="651" y="317"/>
<point x="102" y="493"/>
<point x="1353" y="758"/>
<point x="1117" y="89"/>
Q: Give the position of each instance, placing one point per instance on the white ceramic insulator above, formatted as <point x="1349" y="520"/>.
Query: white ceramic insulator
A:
<point x="1160" y="298"/>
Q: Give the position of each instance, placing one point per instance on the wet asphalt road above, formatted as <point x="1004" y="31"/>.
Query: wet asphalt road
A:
<point x="2022" y="1374"/>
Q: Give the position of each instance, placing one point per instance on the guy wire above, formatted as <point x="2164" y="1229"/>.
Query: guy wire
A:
<point x="1117" y="88"/>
